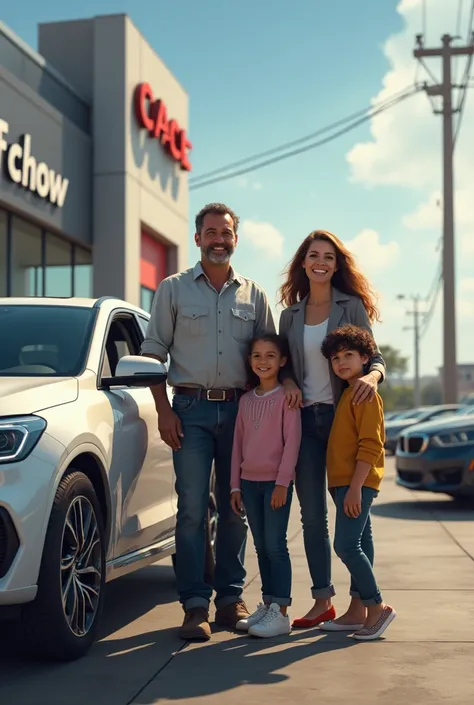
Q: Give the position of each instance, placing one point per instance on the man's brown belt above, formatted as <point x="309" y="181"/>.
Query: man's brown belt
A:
<point x="210" y="394"/>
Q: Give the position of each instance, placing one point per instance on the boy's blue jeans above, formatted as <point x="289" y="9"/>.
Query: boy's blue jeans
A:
<point x="269" y="528"/>
<point x="354" y="545"/>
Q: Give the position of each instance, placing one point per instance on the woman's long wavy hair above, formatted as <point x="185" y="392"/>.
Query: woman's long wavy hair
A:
<point x="347" y="277"/>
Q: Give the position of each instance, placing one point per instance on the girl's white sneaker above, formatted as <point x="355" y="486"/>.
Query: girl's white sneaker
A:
<point x="273" y="623"/>
<point x="243" y="625"/>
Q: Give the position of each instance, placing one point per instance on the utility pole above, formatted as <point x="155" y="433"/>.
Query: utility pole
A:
<point x="415" y="312"/>
<point x="446" y="52"/>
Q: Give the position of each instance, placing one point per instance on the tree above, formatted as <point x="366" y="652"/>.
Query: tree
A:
<point x="396" y="397"/>
<point x="431" y="394"/>
<point x="396" y="363"/>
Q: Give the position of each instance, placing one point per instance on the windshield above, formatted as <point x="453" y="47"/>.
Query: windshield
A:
<point x="411" y="414"/>
<point x="44" y="340"/>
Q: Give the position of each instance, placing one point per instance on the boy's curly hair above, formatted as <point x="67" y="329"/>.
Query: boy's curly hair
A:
<point x="348" y="337"/>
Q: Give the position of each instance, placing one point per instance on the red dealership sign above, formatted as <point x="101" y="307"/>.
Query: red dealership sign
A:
<point x="153" y="116"/>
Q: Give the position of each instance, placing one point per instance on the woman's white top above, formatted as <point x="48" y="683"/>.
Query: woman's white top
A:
<point x="316" y="382"/>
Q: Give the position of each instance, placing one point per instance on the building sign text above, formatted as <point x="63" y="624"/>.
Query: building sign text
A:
<point x="23" y="169"/>
<point x="152" y="115"/>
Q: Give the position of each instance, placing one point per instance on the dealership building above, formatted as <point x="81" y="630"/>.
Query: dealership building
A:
<point x="94" y="162"/>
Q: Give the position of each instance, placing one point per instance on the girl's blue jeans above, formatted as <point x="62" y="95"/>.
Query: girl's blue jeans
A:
<point x="354" y="545"/>
<point x="269" y="529"/>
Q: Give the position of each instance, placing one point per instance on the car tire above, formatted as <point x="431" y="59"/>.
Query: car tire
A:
<point x="211" y="533"/>
<point x="71" y="567"/>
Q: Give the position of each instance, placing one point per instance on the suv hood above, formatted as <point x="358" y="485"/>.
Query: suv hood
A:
<point x="454" y="423"/>
<point x="27" y="395"/>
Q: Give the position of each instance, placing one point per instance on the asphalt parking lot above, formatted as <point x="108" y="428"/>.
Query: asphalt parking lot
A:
<point x="425" y="565"/>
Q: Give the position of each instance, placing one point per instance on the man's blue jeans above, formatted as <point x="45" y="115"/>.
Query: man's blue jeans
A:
<point x="311" y="487"/>
<point x="269" y="529"/>
<point x="354" y="545"/>
<point x="208" y="429"/>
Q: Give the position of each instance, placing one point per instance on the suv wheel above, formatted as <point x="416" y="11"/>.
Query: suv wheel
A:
<point x="211" y="532"/>
<point x="62" y="622"/>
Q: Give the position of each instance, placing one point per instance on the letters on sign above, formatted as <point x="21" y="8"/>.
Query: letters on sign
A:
<point x="23" y="169"/>
<point x="153" y="116"/>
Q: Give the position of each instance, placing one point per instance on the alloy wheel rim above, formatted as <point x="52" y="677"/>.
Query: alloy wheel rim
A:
<point x="212" y="522"/>
<point x="81" y="566"/>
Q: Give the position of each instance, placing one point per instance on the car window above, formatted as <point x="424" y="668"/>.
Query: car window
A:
<point x="143" y="324"/>
<point x="124" y="338"/>
<point x="44" y="340"/>
<point x="441" y="412"/>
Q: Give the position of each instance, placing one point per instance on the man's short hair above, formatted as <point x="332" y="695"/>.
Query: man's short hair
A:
<point x="217" y="209"/>
<point x="348" y="337"/>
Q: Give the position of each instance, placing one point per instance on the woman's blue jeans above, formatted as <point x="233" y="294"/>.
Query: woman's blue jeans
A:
<point x="311" y="488"/>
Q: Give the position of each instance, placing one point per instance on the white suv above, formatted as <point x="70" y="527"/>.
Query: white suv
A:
<point x="86" y="483"/>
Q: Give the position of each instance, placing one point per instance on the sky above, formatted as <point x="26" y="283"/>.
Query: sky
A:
<point x="259" y="74"/>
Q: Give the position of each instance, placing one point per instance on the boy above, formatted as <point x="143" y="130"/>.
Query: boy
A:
<point x="355" y="468"/>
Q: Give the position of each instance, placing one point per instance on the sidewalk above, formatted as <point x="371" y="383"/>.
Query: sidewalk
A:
<point x="424" y="564"/>
<point x="426" y="657"/>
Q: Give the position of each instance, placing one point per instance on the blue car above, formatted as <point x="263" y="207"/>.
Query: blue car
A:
<point x="438" y="456"/>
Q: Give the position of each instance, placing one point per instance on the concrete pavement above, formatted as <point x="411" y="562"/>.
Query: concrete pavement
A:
<point x="424" y="564"/>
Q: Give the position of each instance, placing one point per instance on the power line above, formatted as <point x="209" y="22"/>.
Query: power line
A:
<point x="300" y="140"/>
<point x="432" y="300"/>
<point x="313" y="145"/>
<point x="466" y="77"/>
<point x="459" y="19"/>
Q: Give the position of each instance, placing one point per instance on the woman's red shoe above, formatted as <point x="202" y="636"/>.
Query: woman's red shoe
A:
<point x="305" y="623"/>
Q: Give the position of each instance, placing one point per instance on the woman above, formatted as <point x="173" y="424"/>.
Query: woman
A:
<point x="323" y="290"/>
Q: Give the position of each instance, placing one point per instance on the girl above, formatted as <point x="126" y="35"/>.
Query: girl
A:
<point x="266" y="445"/>
<point x="324" y="289"/>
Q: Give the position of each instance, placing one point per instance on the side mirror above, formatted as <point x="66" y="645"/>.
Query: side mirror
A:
<point x="136" y="371"/>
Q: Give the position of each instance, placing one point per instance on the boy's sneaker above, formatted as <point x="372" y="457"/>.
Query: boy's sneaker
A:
<point x="243" y="625"/>
<point x="273" y="623"/>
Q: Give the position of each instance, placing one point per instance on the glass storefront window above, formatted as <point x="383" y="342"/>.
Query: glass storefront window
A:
<point x="58" y="269"/>
<point x="82" y="272"/>
<point x="42" y="264"/>
<point x="26" y="259"/>
<point x="3" y="253"/>
<point x="146" y="298"/>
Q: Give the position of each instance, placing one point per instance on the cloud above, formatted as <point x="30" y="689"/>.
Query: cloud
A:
<point x="245" y="183"/>
<point x="405" y="148"/>
<point x="465" y="298"/>
<point x="263" y="236"/>
<point x="372" y="254"/>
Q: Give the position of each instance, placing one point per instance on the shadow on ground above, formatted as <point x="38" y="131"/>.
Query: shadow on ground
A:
<point x="126" y="600"/>
<point x="429" y="510"/>
<point x="235" y="662"/>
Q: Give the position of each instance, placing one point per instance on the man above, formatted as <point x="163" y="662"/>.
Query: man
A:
<point x="203" y="319"/>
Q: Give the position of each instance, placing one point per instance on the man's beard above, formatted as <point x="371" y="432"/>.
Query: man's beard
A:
<point x="219" y="257"/>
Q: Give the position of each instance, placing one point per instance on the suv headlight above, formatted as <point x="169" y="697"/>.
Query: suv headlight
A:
<point x="462" y="436"/>
<point x="18" y="437"/>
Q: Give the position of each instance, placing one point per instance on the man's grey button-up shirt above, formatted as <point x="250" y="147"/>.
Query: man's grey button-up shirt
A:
<point x="206" y="333"/>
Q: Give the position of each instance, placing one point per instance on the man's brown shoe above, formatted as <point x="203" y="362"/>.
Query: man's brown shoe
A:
<point x="196" y="625"/>
<point x="229" y="615"/>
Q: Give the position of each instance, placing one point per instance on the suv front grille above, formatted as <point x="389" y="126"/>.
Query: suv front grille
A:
<point x="414" y="443"/>
<point x="9" y="542"/>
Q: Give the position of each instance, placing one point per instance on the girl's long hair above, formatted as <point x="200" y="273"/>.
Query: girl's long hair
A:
<point x="347" y="278"/>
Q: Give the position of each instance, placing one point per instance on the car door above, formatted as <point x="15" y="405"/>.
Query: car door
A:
<point x="141" y="472"/>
